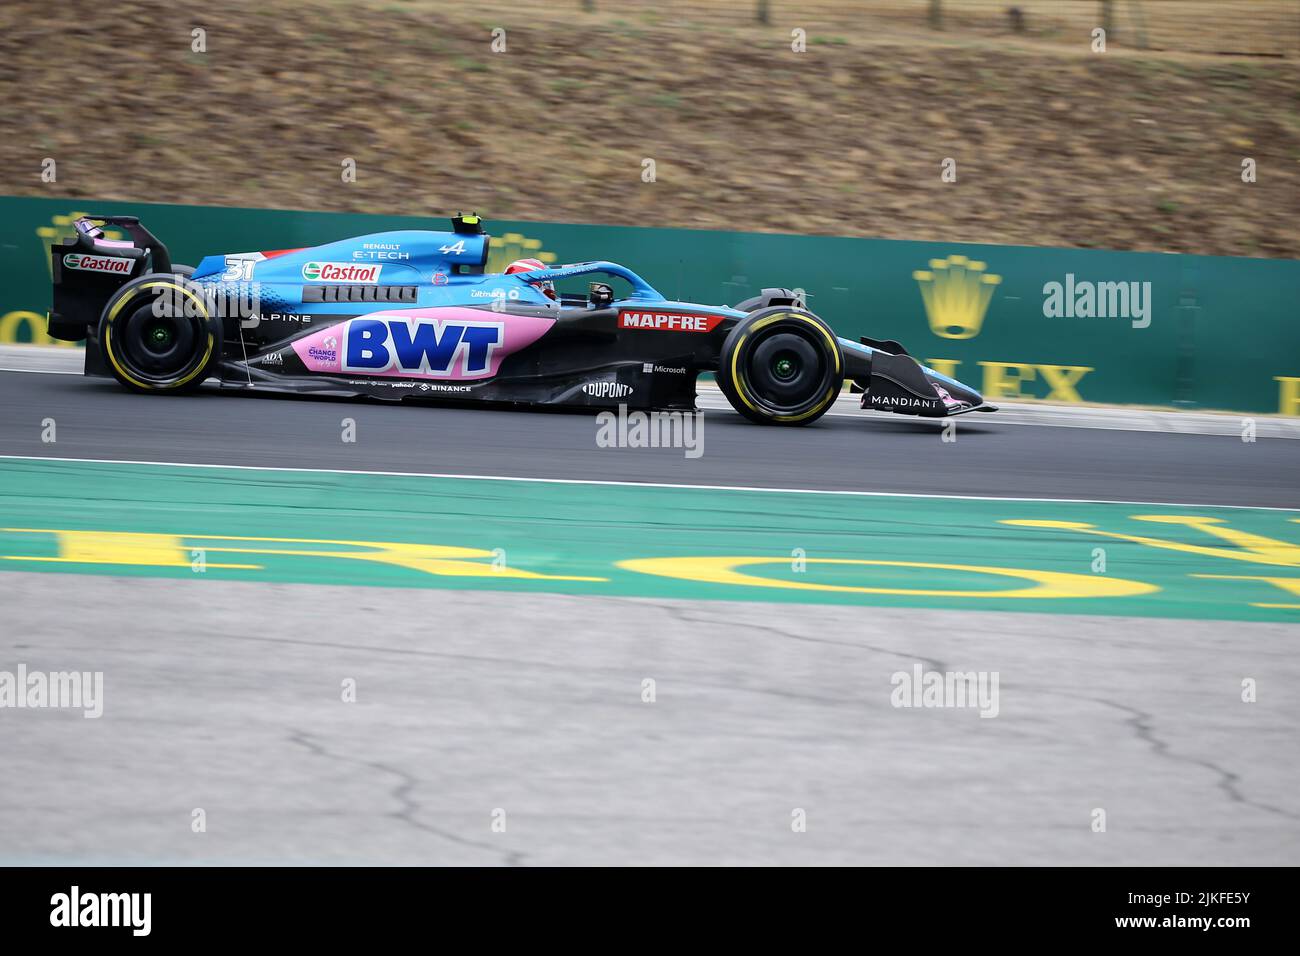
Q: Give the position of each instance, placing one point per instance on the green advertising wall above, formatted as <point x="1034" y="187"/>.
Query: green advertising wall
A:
<point x="1220" y="332"/>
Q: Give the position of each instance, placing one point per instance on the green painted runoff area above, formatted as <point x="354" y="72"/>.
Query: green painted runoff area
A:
<point x="340" y="528"/>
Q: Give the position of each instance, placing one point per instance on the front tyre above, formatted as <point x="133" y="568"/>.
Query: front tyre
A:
<point x="157" y="335"/>
<point x="781" y="366"/>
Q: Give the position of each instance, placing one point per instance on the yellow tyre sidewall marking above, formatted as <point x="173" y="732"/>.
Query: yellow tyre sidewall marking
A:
<point x="1045" y="584"/>
<point x="108" y="336"/>
<point x="736" y="381"/>
<point x="739" y="383"/>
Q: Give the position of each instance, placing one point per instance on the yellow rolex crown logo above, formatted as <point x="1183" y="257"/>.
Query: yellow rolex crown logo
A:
<point x="956" y="292"/>
<point x="505" y="249"/>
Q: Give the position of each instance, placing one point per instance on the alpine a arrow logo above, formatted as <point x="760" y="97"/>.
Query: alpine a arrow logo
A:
<point x="340" y="272"/>
<point x="110" y="264"/>
<point x="668" y="321"/>
<point x="421" y="347"/>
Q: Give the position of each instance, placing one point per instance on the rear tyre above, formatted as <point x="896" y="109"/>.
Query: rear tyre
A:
<point x="781" y="366"/>
<point x="157" y="335"/>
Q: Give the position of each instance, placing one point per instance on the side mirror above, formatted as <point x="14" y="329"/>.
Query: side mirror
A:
<point x="600" y="294"/>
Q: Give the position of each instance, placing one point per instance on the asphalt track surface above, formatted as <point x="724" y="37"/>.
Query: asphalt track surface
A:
<point x="225" y="695"/>
<point x="96" y="419"/>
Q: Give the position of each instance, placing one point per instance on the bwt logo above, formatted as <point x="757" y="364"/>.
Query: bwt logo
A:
<point x="421" y="346"/>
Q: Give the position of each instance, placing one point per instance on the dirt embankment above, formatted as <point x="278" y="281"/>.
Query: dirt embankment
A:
<point x="1051" y="145"/>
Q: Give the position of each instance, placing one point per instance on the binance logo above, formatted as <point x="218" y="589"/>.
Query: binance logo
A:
<point x="507" y="248"/>
<point x="60" y="228"/>
<point x="956" y="292"/>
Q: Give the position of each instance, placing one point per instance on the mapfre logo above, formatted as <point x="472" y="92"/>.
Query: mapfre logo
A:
<point x="110" y="264"/>
<point x="340" y="272"/>
<point x="668" y="321"/>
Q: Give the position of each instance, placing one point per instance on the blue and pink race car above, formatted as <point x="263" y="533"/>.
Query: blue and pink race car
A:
<point x="413" y="315"/>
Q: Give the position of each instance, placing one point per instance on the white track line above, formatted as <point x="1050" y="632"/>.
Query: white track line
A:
<point x="636" y="484"/>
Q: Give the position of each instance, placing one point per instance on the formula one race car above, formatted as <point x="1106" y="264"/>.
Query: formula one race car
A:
<point x="413" y="314"/>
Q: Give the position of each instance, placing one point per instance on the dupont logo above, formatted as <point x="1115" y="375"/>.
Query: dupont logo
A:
<point x="110" y="264"/>
<point x="668" y="321"/>
<point x="340" y="272"/>
<point x="607" y="389"/>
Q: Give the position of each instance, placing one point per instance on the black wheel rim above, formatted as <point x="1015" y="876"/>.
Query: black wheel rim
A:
<point x="156" y="346"/>
<point x="785" y="366"/>
<point x="787" y="370"/>
<point x="159" y="334"/>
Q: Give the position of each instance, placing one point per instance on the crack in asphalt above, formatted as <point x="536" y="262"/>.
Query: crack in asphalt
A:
<point x="566" y="668"/>
<point x="402" y="793"/>
<point x="682" y="616"/>
<point x="1143" y="725"/>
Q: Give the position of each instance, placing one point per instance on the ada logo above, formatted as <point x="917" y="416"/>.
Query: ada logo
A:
<point x="668" y="321"/>
<point x="607" y="389"/>
<point x="110" y="264"/>
<point x="340" y="272"/>
<point x="422" y="346"/>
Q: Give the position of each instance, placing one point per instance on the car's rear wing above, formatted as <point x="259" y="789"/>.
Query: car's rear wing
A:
<point x="89" y="267"/>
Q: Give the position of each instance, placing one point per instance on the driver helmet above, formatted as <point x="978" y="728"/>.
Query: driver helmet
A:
<point x="529" y="265"/>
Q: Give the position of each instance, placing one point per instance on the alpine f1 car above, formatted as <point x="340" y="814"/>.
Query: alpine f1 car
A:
<point x="414" y="314"/>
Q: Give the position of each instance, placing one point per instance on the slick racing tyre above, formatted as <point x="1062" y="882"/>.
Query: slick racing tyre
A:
<point x="157" y="335"/>
<point x="781" y="366"/>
